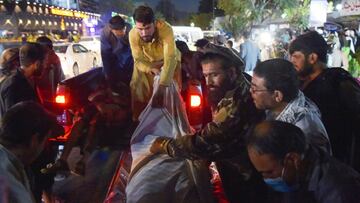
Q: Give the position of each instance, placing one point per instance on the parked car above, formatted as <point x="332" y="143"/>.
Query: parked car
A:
<point x="92" y="43"/>
<point x="188" y="34"/>
<point x="75" y="58"/>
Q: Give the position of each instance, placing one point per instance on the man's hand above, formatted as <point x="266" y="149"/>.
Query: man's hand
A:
<point x="159" y="146"/>
<point x="158" y="98"/>
<point x="157" y="64"/>
<point x="156" y="67"/>
<point x="155" y="71"/>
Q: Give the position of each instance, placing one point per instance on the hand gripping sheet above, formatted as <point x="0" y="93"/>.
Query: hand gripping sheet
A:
<point x="160" y="178"/>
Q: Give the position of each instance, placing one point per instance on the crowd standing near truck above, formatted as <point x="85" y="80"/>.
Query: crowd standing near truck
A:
<point x="288" y="133"/>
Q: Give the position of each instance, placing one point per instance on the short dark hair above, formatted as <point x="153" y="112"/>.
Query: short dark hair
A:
<point x="246" y="34"/>
<point x="117" y="23"/>
<point x="45" y="41"/>
<point x="31" y="52"/>
<point x="276" y="138"/>
<point x="279" y="74"/>
<point x="310" y="42"/>
<point x="213" y="57"/>
<point x="144" y="14"/>
<point x="23" y="120"/>
<point x="201" y="43"/>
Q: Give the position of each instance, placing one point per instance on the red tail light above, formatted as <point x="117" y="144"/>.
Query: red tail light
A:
<point x="60" y="99"/>
<point x="62" y="95"/>
<point x="195" y="101"/>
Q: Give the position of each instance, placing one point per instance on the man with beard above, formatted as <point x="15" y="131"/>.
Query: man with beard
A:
<point x="334" y="91"/>
<point x="222" y="140"/>
<point x="153" y="48"/>
<point x="20" y="86"/>
<point x="115" y="51"/>
<point x="52" y="73"/>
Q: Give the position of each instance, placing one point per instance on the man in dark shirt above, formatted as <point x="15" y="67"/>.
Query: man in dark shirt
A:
<point x="20" y="86"/>
<point x="298" y="171"/>
<point x="334" y="91"/>
<point x="52" y="73"/>
<point x="115" y="51"/>
<point x="222" y="140"/>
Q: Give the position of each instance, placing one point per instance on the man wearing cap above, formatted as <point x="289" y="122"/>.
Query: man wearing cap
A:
<point x="20" y="86"/>
<point x="154" y="51"/>
<point x="222" y="140"/>
<point x="115" y="51"/>
<point x="334" y="91"/>
<point x="25" y="128"/>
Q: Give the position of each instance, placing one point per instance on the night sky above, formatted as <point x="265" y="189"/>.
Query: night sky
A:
<point x="181" y="5"/>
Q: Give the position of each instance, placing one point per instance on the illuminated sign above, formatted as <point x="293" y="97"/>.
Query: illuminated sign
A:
<point x="80" y="15"/>
<point x="68" y="13"/>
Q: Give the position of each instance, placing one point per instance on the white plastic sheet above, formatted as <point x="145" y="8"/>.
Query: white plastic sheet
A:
<point x="160" y="178"/>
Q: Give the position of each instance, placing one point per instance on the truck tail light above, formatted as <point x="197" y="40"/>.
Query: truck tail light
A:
<point x="60" y="99"/>
<point x="62" y="95"/>
<point x="195" y="101"/>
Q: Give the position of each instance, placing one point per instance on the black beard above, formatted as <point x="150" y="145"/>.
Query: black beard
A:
<point x="215" y="96"/>
<point x="306" y="71"/>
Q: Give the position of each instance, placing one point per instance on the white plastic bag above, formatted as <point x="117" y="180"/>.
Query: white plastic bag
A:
<point x="160" y="178"/>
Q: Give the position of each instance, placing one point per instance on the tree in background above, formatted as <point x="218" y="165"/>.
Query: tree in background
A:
<point x="242" y="15"/>
<point x="206" y="12"/>
<point x="202" y="20"/>
<point x="125" y="7"/>
<point x="299" y="16"/>
<point x="168" y="11"/>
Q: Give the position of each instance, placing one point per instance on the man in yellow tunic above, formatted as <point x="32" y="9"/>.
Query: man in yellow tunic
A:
<point x="153" y="48"/>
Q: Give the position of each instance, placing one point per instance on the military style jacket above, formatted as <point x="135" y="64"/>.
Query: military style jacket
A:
<point x="223" y="141"/>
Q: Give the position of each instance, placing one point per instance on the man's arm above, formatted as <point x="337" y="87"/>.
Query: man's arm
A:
<point x="106" y="51"/>
<point x="166" y="35"/>
<point x="13" y="95"/>
<point x="222" y="137"/>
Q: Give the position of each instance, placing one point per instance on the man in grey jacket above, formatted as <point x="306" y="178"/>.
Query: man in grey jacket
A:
<point x="274" y="88"/>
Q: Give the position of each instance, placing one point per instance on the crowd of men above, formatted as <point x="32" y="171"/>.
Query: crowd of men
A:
<point x="289" y="133"/>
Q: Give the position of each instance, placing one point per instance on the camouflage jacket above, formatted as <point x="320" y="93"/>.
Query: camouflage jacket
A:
<point x="223" y="141"/>
<point x="223" y="138"/>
